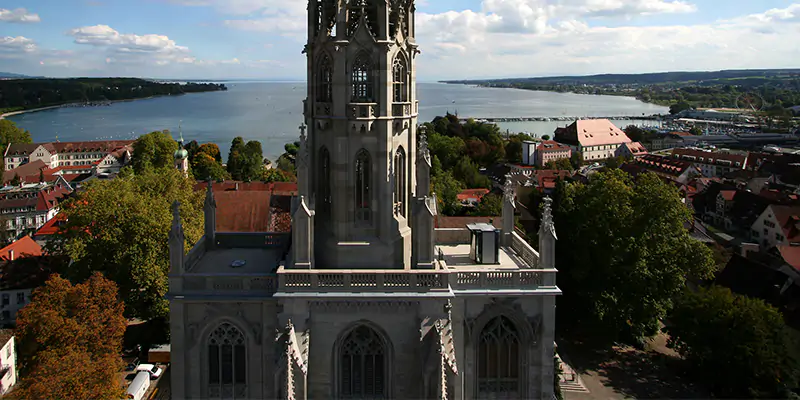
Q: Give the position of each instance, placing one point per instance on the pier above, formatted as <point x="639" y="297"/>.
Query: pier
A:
<point x="562" y="118"/>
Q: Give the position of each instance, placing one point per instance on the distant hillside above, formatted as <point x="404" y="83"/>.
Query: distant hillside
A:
<point x="9" y="75"/>
<point x="661" y="78"/>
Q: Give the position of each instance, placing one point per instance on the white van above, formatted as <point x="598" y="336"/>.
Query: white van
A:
<point x="138" y="388"/>
<point x="151" y="369"/>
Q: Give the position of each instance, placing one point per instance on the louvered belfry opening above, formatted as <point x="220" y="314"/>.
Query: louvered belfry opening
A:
<point x="362" y="368"/>
<point x="499" y="360"/>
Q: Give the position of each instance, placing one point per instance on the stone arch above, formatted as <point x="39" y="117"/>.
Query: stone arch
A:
<point x="502" y="318"/>
<point x="363" y="186"/>
<point x="360" y="346"/>
<point x="324" y="78"/>
<point x="221" y="339"/>
<point x="400" y="78"/>
<point x="361" y="78"/>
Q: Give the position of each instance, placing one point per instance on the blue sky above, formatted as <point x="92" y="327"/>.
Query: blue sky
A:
<point x="215" y="39"/>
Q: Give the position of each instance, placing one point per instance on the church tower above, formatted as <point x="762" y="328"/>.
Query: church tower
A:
<point x="357" y="171"/>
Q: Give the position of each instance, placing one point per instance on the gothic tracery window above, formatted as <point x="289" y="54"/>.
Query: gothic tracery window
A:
<point x="324" y="179"/>
<point x="227" y="362"/>
<point x="325" y="80"/>
<point x="362" y="365"/>
<point x="358" y="9"/>
<point x="400" y="182"/>
<point x="498" y="359"/>
<point x="400" y="78"/>
<point x="363" y="186"/>
<point x="361" y="79"/>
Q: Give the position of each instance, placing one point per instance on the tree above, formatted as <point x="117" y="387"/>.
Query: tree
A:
<point x="41" y="175"/>
<point x="447" y="189"/>
<point x="545" y="137"/>
<point x="635" y="133"/>
<point x="636" y="255"/>
<point x="614" y="162"/>
<point x="235" y="157"/>
<point x="562" y="164"/>
<point x="154" y="150"/>
<point x="204" y="166"/>
<point x="695" y="130"/>
<point x="191" y="148"/>
<point x="70" y="338"/>
<point x="10" y="133"/>
<point x="245" y="160"/>
<point x="514" y="151"/>
<point x="678" y="107"/>
<point x="576" y="159"/>
<point x="119" y="227"/>
<point x="15" y="181"/>
<point x="212" y="150"/>
<point x="739" y="345"/>
<point x="491" y="205"/>
<point x="277" y="175"/>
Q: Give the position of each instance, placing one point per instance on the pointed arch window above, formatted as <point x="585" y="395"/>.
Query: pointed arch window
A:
<point x="400" y="78"/>
<point x="324" y="179"/>
<point x="227" y="362"/>
<point x="498" y="359"/>
<point x="325" y="80"/>
<point x="363" y="186"/>
<point x="358" y="9"/>
<point x="362" y="365"/>
<point x="361" y="80"/>
<point x="400" y="182"/>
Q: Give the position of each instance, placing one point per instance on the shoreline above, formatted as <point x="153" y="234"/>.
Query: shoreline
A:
<point x="111" y="102"/>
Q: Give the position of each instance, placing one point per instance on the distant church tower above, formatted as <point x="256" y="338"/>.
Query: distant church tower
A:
<point x="182" y="158"/>
<point x="357" y="168"/>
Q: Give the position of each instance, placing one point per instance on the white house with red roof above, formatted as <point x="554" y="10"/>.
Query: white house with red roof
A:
<point x="633" y="149"/>
<point x="105" y="156"/>
<point x="777" y="225"/>
<point x="595" y="139"/>
<point x="27" y="207"/>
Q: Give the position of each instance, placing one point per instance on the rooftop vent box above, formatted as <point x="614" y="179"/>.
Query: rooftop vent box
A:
<point x="484" y="243"/>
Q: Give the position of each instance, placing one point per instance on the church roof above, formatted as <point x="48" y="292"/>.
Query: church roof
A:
<point x="252" y="206"/>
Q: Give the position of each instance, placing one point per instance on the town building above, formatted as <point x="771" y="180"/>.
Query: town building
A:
<point x="25" y="247"/>
<point x="594" y="139"/>
<point x="550" y="150"/>
<point x="631" y="150"/>
<point x="360" y="300"/>
<point x="471" y="197"/>
<point x="27" y="207"/>
<point x="660" y="141"/>
<point x="71" y="158"/>
<point x="8" y="361"/>
<point x="675" y="170"/>
<point x="778" y="225"/>
<point x="712" y="164"/>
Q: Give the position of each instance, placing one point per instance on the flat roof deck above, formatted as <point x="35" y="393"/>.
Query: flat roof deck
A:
<point x="256" y="261"/>
<point x="457" y="257"/>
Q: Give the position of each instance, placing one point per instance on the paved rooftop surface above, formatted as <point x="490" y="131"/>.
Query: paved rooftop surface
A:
<point x="457" y="257"/>
<point x="256" y="261"/>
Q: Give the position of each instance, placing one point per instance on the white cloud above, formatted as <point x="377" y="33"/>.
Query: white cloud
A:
<point x="15" y="45"/>
<point x="18" y="15"/>
<point x="104" y="35"/>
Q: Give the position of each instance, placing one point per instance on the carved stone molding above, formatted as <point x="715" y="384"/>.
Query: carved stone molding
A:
<point x="348" y="306"/>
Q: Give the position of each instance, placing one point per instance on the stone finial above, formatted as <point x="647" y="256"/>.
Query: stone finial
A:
<point x="547" y="217"/>
<point x="424" y="152"/>
<point x="177" y="228"/>
<point x="509" y="189"/>
<point x="302" y="152"/>
<point x="210" y="201"/>
<point x="176" y="240"/>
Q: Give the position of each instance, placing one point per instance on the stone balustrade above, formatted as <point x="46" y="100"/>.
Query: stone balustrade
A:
<point x="524" y="250"/>
<point x="360" y="111"/>
<point x="256" y="284"/>
<point x="401" y="109"/>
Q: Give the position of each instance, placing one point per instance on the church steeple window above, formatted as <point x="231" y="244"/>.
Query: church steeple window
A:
<point x="361" y="79"/>
<point x="362" y="365"/>
<point x="227" y="362"/>
<point x="400" y="182"/>
<point x="498" y="359"/>
<point x="363" y="188"/>
<point x="400" y="79"/>
<point x="325" y="80"/>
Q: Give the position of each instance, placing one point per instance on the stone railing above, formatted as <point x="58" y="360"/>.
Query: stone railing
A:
<point x="401" y="109"/>
<point x="494" y="279"/>
<point x="251" y="240"/>
<point x="256" y="284"/>
<point x="524" y="250"/>
<point x="361" y="281"/>
<point x="362" y="110"/>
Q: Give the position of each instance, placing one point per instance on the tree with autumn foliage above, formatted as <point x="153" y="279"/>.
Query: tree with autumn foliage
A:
<point x="70" y="338"/>
<point x="119" y="227"/>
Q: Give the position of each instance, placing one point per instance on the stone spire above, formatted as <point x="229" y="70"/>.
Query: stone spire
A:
<point x="303" y="178"/>
<point x="547" y="237"/>
<point x="210" y="212"/>
<point x="509" y="205"/>
<point x="176" y="241"/>
<point x="302" y="235"/>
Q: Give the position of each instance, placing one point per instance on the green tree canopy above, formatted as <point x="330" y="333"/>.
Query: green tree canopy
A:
<point x="277" y="175"/>
<point x="154" y="150"/>
<point x="738" y="346"/>
<point x="695" y="130"/>
<point x="204" y="166"/>
<point x="562" y="164"/>
<point x="120" y="228"/>
<point x="245" y="160"/>
<point x="491" y="205"/>
<point x="678" y="107"/>
<point x="545" y="137"/>
<point x="212" y="150"/>
<point x="191" y="148"/>
<point x="447" y="189"/>
<point x="70" y="338"/>
<point x="634" y="133"/>
<point x="624" y="253"/>
<point x="576" y="159"/>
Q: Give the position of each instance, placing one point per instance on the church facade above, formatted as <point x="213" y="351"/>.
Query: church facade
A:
<point x="365" y="298"/>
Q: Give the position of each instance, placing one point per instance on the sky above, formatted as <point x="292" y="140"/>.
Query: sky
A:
<point x="459" y="39"/>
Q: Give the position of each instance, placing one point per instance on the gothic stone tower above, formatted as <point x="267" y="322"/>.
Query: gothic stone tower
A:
<point x="361" y="112"/>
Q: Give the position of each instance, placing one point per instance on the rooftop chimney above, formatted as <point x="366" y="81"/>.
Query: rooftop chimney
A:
<point x="11" y="254"/>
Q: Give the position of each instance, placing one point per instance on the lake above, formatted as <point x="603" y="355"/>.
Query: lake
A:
<point x="271" y="112"/>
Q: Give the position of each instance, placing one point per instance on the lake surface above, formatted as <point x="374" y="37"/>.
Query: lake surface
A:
<point x="271" y="112"/>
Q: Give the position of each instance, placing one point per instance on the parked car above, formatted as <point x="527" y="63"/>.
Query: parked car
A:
<point x="138" y="388"/>
<point x="153" y="370"/>
<point x="132" y="365"/>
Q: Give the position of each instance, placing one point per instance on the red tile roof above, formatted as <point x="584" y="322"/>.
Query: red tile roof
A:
<point x="546" y="178"/>
<point x="663" y="165"/>
<point x="728" y="195"/>
<point x="681" y="133"/>
<point x="789" y="220"/>
<point x="29" y="169"/>
<point x="636" y="148"/>
<point x="472" y="194"/>
<point x="592" y="132"/>
<point x="551" y="145"/>
<point x="709" y="157"/>
<point x="51" y="227"/>
<point x="252" y="206"/>
<point x="25" y="247"/>
<point x="791" y="254"/>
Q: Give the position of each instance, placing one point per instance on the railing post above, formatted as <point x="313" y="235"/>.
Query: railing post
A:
<point x="379" y="280"/>
<point x="482" y="279"/>
<point x="412" y="281"/>
<point x="517" y="279"/>
<point x="281" y="282"/>
<point x="314" y="280"/>
<point x="347" y="281"/>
